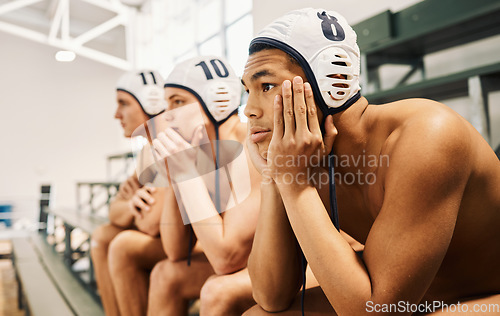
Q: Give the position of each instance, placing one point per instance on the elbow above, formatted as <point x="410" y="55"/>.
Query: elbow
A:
<point x="272" y="302"/>
<point x="151" y="229"/>
<point x="176" y="256"/>
<point x="223" y="267"/>
<point x="270" y="294"/>
<point x="229" y="263"/>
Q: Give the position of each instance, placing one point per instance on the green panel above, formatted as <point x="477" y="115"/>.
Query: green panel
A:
<point x="434" y="86"/>
<point x="431" y="15"/>
<point x="374" y="30"/>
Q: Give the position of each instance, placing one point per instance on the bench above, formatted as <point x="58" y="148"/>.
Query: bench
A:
<point x="109" y="189"/>
<point x="73" y="219"/>
<point x="46" y="286"/>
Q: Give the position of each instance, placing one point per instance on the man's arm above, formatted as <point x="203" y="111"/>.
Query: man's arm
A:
<point x="174" y="234"/>
<point x="274" y="263"/>
<point x="226" y="239"/>
<point x="429" y="168"/>
<point x="119" y="208"/>
<point x="148" y="203"/>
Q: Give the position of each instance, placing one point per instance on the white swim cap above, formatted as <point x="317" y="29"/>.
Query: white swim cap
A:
<point x="146" y="86"/>
<point x="324" y="45"/>
<point x="212" y="81"/>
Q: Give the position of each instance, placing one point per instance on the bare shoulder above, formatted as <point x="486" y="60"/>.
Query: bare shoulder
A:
<point x="422" y="127"/>
<point x="426" y="143"/>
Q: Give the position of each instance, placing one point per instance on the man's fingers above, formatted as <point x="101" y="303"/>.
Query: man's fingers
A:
<point x="174" y="137"/>
<point x="312" y="115"/>
<point x="150" y="189"/>
<point x="134" y="210"/>
<point x="160" y="149"/>
<point x="289" y="119"/>
<point x="167" y="142"/>
<point x="134" y="184"/>
<point x="257" y="160"/>
<point x="146" y="196"/>
<point x="278" y="118"/>
<point x="330" y="134"/>
<point x="299" y="104"/>
<point x="139" y="203"/>
<point x="198" y="136"/>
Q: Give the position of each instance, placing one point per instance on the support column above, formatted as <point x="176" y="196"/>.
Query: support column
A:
<point x="478" y="109"/>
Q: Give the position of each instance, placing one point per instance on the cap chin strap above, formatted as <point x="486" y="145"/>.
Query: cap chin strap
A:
<point x="334" y="217"/>
<point x="217" y="175"/>
<point x="343" y="107"/>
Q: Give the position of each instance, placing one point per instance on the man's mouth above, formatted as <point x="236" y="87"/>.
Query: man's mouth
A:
<point x="258" y="134"/>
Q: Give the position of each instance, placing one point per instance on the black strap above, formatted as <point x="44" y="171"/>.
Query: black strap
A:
<point x="334" y="214"/>
<point x="217" y="191"/>
<point x="217" y="173"/>
<point x="190" y="246"/>
<point x="334" y="217"/>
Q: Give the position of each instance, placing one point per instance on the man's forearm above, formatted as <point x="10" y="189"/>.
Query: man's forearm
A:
<point x="119" y="213"/>
<point x="209" y="228"/>
<point x="274" y="264"/>
<point x="340" y="272"/>
<point x="174" y="234"/>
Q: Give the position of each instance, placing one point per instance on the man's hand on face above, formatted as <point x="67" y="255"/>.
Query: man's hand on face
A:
<point x="259" y="162"/>
<point x="178" y="153"/>
<point x="142" y="201"/>
<point x="128" y="188"/>
<point x="297" y="142"/>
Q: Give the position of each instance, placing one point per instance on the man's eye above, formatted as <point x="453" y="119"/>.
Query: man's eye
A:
<point x="178" y="102"/>
<point x="267" y="86"/>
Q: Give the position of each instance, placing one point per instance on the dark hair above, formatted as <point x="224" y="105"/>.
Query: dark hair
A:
<point x="257" y="47"/>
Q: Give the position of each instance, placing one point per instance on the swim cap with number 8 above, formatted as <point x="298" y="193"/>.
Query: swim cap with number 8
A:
<point x="325" y="46"/>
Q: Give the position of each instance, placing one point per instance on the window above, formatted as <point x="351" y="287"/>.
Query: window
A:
<point x="210" y="27"/>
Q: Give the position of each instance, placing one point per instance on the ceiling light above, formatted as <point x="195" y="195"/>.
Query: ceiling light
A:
<point x="65" y="56"/>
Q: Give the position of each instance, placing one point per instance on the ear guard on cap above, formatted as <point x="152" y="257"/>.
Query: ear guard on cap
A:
<point x="146" y="86"/>
<point x="337" y="75"/>
<point x="153" y="101"/>
<point x="220" y="99"/>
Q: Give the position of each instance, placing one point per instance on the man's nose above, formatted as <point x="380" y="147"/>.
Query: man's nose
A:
<point x="252" y="109"/>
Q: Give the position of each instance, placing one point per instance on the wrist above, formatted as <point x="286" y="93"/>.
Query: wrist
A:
<point x="267" y="182"/>
<point x="184" y="175"/>
<point x="286" y="188"/>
